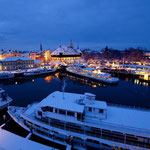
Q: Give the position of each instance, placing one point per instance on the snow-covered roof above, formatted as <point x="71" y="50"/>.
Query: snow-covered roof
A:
<point x="16" y="58"/>
<point x="78" y="64"/>
<point x="138" y="66"/>
<point x="90" y="94"/>
<point x="10" y="141"/>
<point x="68" y="103"/>
<point x="64" y="50"/>
<point x="97" y="104"/>
<point x="25" y="54"/>
<point x="37" y="61"/>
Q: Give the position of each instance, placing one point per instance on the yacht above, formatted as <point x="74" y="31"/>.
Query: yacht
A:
<point x="6" y="75"/>
<point x="81" y="70"/>
<point x="5" y="100"/>
<point x="81" y="121"/>
<point x="38" y="71"/>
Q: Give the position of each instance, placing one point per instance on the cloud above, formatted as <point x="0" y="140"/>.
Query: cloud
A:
<point x="88" y="23"/>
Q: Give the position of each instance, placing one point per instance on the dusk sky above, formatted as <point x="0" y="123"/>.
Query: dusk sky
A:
<point x="24" y="24"/>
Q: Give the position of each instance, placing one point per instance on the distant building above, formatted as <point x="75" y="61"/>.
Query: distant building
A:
<point x="147" y="55"/>
<point x="66" y="54"/>
<point x="14" y="63"/>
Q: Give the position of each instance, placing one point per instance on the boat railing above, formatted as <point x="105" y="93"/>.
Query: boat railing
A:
<point x="129" y="106"/>
<point x="101" y="135"/>
<point x="110" y="125"/>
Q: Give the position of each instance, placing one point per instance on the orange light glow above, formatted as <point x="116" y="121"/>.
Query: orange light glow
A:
<point x="48" y="79"/>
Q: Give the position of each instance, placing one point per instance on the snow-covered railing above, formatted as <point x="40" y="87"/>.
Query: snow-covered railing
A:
<point x="129" y="106"/>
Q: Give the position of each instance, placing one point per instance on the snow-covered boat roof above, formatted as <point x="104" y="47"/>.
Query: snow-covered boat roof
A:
<point x="10" y="141"/>
<point x="64" y="50"/>
<point x="90" y="94"/>
<point x="78" y="64"/>
<point x="69" y="102"/>
<point x="16" y="58"/>
<point x="1" y="90"/>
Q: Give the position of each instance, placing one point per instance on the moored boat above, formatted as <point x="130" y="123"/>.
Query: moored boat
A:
<point x="81" y="70"/>
<point x="38" y="71"/>
<point x="6" y="75"/>
<point x="5" y="100"/>
<point x="82" y="121"/>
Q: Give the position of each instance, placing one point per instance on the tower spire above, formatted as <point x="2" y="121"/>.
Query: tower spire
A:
<point x="71" y="45"/>
<point x="41" y="48"/>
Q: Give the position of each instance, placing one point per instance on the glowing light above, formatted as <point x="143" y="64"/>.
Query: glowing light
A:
<point x="48" y="79"/>
<point x="16" y="82"/>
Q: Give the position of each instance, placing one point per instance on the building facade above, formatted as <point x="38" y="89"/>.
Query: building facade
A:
<point x="14" y="63"/>
<point x="66" y="54"/>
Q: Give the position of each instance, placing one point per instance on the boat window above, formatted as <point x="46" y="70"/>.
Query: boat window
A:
<point x="101" y="111"/>
<point x="70" y="113"/>
<point x="50" y="109"/>
<point x="90" y="109"/>
<point x="56" y="110"/>
<point x="39" y="113"/>
<point x="62" y="111"/>
<point x="79" y="116"/>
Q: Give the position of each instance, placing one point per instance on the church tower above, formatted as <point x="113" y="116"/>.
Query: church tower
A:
<point x="41" y="48"/>
<point x="71" y="45"/>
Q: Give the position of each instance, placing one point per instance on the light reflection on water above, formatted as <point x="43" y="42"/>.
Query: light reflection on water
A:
<point x="27" y="90"/>
<point x="143" y="83"/>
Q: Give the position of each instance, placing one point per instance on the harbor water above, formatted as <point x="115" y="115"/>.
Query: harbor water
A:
<point x="24" y="91"/>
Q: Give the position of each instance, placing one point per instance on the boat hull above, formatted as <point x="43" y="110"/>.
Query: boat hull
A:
<point x="115" y="81"/>
<point x="5" y="104"/>
<point x="40" y="73"/>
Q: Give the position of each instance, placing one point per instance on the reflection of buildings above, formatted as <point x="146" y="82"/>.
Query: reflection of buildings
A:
<point x="66" y="54"/>
<point x="48" y="79"/>
<point x="14" y="63"/>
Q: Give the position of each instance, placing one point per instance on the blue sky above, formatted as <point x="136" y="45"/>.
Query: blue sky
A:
<point x="24" y="24"/>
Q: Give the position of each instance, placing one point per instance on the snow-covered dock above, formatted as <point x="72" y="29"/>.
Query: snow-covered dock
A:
<point x="10" y="141"/>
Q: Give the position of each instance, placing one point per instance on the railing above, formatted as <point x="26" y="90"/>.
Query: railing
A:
<point x="103" y="136"/>
<point x="129" y="106"/>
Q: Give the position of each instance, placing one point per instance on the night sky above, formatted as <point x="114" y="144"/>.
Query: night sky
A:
<point x="24" y="24"/>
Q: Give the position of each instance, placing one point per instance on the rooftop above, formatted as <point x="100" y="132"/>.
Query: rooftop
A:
<point x="9" y="141"/>
<point x="37" y="61"/>
<point x="69" y="102"/>
<point x="64" y="50"/>
<point x="16" y="58"/>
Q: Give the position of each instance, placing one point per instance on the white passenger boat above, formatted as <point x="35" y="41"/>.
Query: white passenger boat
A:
<point x="82" y="121"/>
<point x="38" y="71"/>
<point x="91" y="73"/>
<point x="5" y="100"/>
<point x="6" y="75"/>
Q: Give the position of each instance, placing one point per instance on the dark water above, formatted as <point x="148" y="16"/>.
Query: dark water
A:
<point x="25" y="91"/>
<point x="127" y="92"/>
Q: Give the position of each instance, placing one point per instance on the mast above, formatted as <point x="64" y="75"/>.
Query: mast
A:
<point x="63" y="88"/>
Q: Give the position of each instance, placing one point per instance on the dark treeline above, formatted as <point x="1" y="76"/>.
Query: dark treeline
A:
<point x="130" y="54"/>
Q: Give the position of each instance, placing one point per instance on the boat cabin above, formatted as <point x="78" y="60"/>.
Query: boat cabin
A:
<point x="77" y="108"/>
<point x="3" y="95"/>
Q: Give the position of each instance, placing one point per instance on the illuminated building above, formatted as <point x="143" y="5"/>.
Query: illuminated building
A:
<point x="14" y="63"/>
<point x="47" y="55"/>
<point x="66" y="54"/>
